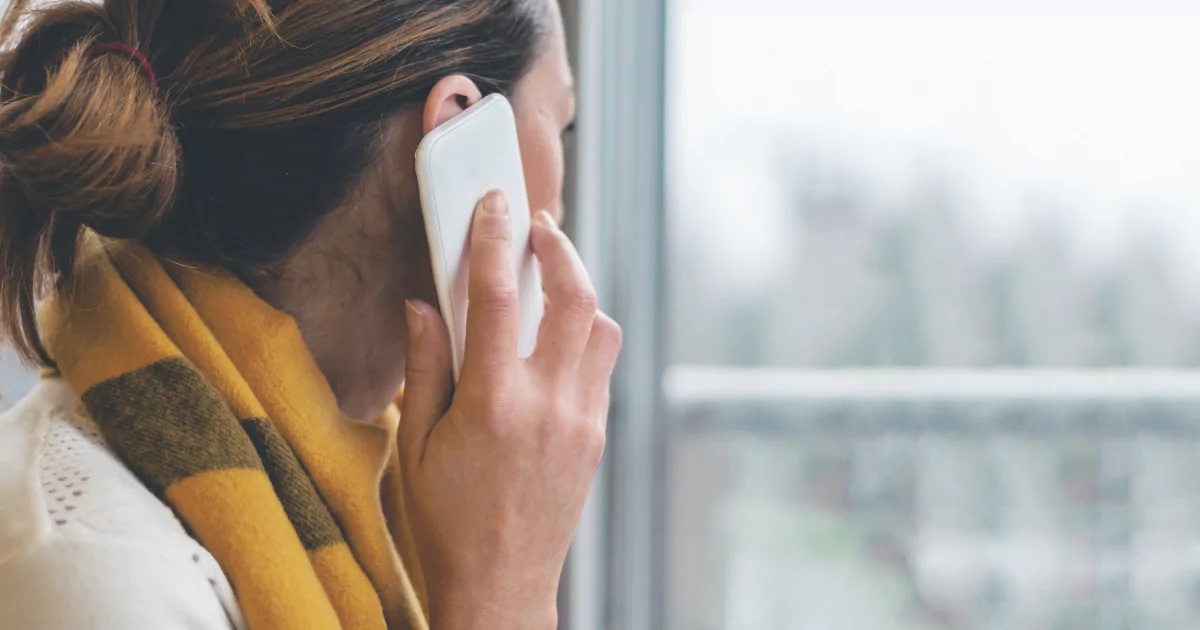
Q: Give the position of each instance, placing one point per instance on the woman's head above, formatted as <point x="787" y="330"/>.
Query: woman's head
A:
<point x="275" y="141"/>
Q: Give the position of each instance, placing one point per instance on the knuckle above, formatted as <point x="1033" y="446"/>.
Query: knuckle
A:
<point x="419" y="366"/>
<point x="559" y="418"/>
<point x="494" y="366"/>
<point x="583" y="302"/>
<point x="499" y="298"/>
<point x="500" y="426"/>
<point x="561" y="410"/>
<point x="610" y="331"/>
<point x="494" y="412"/>
<point x="596" y="444"/>
<point x="599" y="436"/>
<point x="580" y="431"/>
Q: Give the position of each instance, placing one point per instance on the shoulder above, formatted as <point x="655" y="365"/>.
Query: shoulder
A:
<point x="82" y="542"/>
<point x="73" y="582"/>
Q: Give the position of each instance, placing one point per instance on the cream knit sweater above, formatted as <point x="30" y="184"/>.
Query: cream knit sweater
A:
<point x="82" y="543"/>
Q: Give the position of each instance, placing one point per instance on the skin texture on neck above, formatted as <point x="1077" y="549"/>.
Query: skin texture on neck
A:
<point x="347" y="284"/>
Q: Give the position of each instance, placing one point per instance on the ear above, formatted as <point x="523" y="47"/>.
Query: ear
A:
<point x="449" y="98"/>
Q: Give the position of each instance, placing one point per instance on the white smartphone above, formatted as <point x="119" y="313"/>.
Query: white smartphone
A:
<point x="457" y="164"/>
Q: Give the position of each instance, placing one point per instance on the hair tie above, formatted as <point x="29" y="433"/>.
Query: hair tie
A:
<point x="128" y="51"/>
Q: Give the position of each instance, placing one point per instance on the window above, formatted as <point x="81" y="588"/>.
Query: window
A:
<point x="932" y="315"/>
<point x="911" y="312"/>
<point x="15" y="379"/>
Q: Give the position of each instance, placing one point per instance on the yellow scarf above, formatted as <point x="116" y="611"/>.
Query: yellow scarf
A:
<point x="211" y="398"/>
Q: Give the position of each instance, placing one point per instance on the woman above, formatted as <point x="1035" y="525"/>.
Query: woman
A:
<point x="217" y="202"/>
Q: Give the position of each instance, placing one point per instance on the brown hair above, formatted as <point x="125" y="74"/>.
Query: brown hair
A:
<point x="261" y="115"/>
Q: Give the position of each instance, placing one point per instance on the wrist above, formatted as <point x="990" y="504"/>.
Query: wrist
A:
<point x="462" y="611"/>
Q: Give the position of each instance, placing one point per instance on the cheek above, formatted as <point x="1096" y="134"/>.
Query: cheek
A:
<point x="542" y="159"/>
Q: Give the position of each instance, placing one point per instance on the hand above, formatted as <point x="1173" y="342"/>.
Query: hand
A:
<point x="496" y="479"/>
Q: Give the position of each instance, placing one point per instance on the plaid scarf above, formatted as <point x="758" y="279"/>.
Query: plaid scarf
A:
<point x="211" y="398"/>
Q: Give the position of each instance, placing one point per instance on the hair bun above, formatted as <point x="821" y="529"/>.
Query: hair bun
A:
<point x="93" y="148"/>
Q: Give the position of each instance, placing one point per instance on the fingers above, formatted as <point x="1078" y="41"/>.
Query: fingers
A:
<point x="571" y="308"/>
<point x="492" y="331"/>
<point x="599" y="360"/>
<point x="428" y="383"/>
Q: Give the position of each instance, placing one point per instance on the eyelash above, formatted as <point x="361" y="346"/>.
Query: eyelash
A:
<point x="569" y="130"/>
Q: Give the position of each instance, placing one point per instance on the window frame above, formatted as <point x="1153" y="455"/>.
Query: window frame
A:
<point x="616" y="185"/>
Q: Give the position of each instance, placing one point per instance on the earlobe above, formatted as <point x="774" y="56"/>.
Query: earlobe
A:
<point x="449" y="98"/>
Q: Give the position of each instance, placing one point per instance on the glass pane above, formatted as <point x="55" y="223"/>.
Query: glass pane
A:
<point x="934" y="183"/>
<point x="932" y="516"/>
<point x="931" y="184"/>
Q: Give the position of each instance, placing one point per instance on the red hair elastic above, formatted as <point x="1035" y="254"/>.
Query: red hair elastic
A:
<point x="128" y="51"/>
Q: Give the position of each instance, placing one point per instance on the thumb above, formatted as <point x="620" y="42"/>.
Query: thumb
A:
<point x="428" y="385"/>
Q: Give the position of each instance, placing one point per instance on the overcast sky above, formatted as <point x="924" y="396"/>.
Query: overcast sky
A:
<point x="1096" y="111"/>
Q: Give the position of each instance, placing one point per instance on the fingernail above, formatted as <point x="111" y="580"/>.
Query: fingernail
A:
<point x="547" y="220"/>
<point x="416" y="324"/>
<point x="494" y="203"/>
